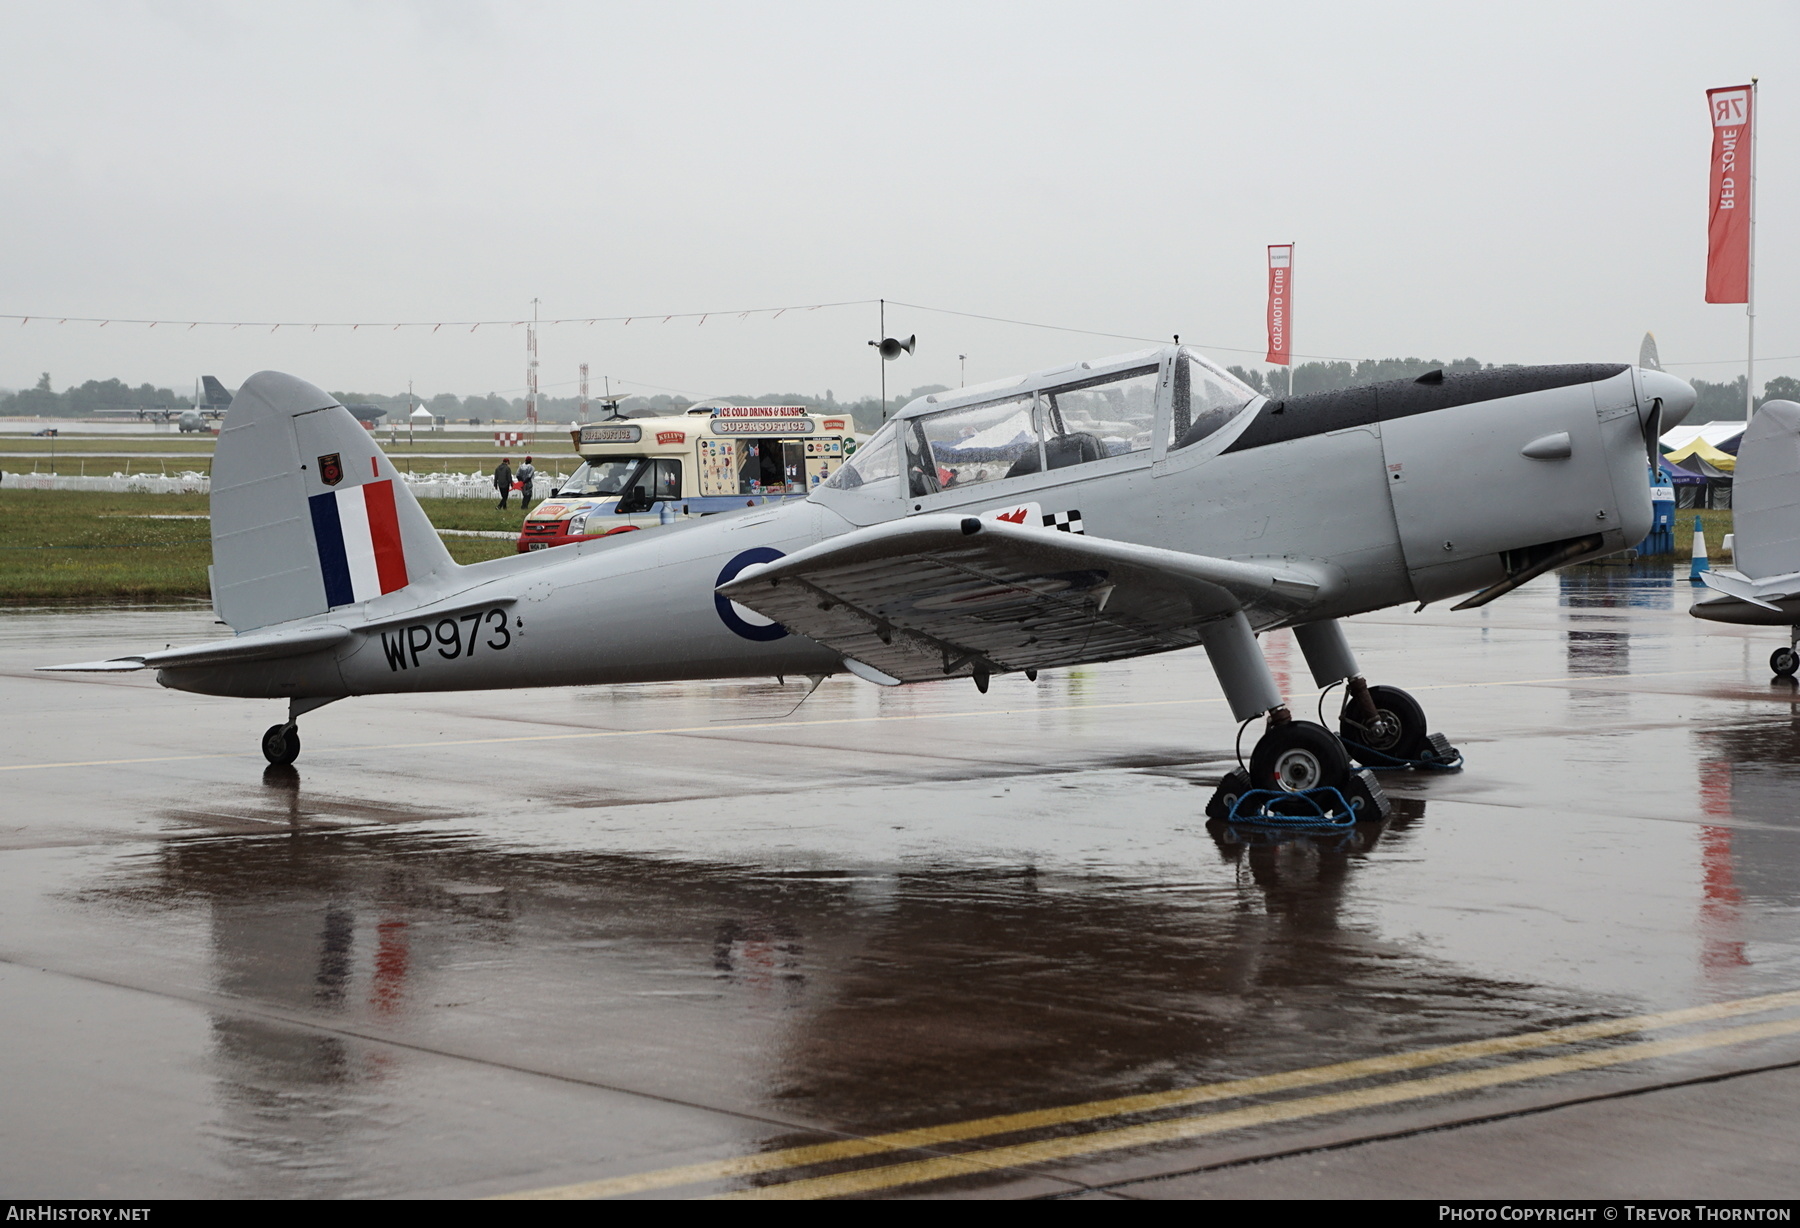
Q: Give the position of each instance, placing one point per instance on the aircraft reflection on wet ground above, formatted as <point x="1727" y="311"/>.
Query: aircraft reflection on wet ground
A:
<point x="527" y="944"/>
<point x="857" y="1002"/>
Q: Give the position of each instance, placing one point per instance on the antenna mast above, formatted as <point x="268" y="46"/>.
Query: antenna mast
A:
<point x="531" y="372"/>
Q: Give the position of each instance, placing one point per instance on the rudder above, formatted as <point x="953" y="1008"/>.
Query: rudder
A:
<point x="1765" y="493"/>
<point x="308" y="514"/>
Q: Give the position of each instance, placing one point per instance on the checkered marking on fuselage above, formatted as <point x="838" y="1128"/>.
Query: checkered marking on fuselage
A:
<point x="1068" y="522"/>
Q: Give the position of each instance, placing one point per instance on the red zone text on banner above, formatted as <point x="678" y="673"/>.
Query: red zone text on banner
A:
<point x="1728" y="211"/>
<point x="1281" y="300"/>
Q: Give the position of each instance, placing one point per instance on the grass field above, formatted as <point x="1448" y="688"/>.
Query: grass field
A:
<point x="103" y="455"/>
<point x="1714" y="524"/>
<point x="62" y="545"/>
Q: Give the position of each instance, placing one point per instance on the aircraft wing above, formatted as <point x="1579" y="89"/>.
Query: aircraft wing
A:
<point x="945" y="595"/>
<point x="253" y="647"/>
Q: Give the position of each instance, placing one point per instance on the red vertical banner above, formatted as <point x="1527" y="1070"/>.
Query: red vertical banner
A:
<point x="1728" y="217"/>
<point x="1281" y="300"/>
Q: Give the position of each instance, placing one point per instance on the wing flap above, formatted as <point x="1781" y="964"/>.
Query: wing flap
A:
<point x="947" y="596"/>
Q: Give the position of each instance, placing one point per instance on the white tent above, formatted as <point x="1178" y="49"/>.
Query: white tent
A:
<point x="1715" y="433"/>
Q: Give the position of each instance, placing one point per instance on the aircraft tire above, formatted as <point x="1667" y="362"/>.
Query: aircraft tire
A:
<point x="1400" y="729"/>
<point x="1785" y="662"/>
<point x="281" y="744"/>
<point x="1299" y="755"/>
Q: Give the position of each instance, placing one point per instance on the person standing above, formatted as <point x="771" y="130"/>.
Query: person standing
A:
<point x="503" y="480"/>
<point x="526" y="476"/>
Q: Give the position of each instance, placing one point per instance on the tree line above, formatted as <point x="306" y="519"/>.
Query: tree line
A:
<point x="1717" y="401"/>
<point x="89" y="398"/>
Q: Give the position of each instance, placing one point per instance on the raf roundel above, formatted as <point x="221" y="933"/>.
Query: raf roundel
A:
<point x="741" y="620"/>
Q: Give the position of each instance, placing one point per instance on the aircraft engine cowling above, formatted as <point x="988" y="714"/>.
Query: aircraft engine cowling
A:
<point x="1490" y="469"/>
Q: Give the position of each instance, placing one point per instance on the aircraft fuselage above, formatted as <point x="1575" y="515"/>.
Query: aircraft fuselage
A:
<point x="1398" y="493"/>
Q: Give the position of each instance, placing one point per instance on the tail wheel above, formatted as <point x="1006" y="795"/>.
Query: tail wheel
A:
<point x="281" y="744"/>
<point x="1299" y="755"/>
<point x="1398" y="729"/>
<point x="1785" y="662"/>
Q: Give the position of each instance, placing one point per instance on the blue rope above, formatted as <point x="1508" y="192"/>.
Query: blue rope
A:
<point x="1321" y="816"/>
<point x="1378" y="761"/>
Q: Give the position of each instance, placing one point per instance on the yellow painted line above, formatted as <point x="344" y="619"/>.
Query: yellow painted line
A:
<point x="1177" y="1129"/>
<point x="1338" y="1072"/>
<point x="722" y="727"/>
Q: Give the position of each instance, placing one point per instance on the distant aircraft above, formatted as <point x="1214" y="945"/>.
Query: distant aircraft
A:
<point x="211" y="400"/>
<point x="366" y="414"/>
<point x="1097" y="511"/>
<point x="1764" y="590"/>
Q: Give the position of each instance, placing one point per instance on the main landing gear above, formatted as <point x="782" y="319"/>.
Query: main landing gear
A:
<point x="1301" y="773"/>
<point x="1383" y="719"/>
<point x="281" y="743"/>
<point x="1294" y="756"/>
<point x="1785" y="662"/>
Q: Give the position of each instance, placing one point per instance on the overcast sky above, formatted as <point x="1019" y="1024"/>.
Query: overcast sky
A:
<point x="1520" y="182"/>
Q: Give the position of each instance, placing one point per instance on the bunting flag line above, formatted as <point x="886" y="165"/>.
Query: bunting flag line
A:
<point x="433" y="325"/>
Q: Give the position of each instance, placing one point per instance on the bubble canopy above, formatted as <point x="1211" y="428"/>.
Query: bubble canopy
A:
<point x="1146" y="402"/>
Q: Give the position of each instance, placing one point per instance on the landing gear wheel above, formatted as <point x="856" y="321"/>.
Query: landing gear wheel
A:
<point x="1398" y="729"/>
<point x="1785" y="662"/>
<point x="281" y="744"/>
<point x="1299" y="755"/>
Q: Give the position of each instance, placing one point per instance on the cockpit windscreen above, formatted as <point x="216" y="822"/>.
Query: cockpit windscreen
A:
<point x="1204" y="398"/>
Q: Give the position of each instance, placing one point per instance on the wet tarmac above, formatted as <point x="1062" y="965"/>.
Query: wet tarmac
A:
<point x="680" y="940"/>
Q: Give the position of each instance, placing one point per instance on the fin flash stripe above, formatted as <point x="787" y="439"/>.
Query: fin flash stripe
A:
<point x="358" y="536"/>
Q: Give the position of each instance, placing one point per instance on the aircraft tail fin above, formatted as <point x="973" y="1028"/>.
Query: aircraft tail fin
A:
<point x="1765" y="493"/>
<point x="217" y="395"/>
<point x="307" y="512"/>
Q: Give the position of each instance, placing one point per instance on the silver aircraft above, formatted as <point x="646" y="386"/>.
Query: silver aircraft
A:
<point x="1764" y="590"/>
<point x="1096" y="511"/>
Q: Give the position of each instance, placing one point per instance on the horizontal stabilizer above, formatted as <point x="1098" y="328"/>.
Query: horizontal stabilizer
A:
<point x="947" y="595"/>
<point x="1765" y="592"/>
<point x="118" y="665"/>
<point x="218" y="652"/>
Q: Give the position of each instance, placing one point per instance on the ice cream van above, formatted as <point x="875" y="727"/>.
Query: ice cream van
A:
<point x="637" y="472"/>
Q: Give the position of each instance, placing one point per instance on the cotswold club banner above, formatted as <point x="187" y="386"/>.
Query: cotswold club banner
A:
<point x="1728" y="221"/>
<point x="1281" y="299"/>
